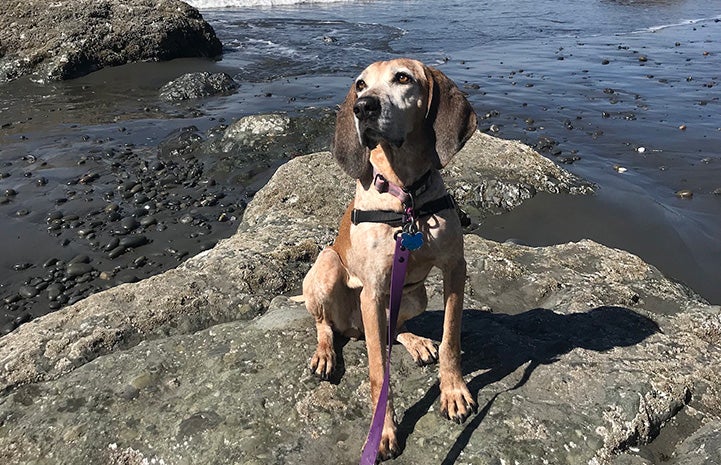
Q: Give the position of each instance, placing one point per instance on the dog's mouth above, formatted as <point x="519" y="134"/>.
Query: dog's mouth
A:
<point x="371" y="137"/>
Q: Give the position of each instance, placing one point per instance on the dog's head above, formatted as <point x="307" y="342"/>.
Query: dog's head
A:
<point x="392" y="101"/>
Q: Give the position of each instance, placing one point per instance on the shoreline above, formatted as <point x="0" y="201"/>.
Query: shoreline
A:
<point x="57" y="137"/>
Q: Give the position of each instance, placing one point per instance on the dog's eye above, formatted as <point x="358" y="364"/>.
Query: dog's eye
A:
<point x="403" y="78"/>
<point x="360" y="85"/>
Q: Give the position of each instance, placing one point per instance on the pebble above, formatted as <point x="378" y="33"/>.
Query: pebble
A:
<point x="54" y="215"/>
<point x="79" y="259"/>
<point x="11" y="299"/>
<point x="186" y="219"/>
<point x="105" y="275"/>
<point x="55" y="290"/>
<point x="641" y="149"/>
<point x="717" y="191"/>
<point x="88" y="178"/>
<point x="684" y="194"/>
<point x="27" y="292"/>
<point x="78" y="269"/>
<point x="22" y="318"/>
<point x="147" y="221"/>
<point x="86" y="232"/>
<point x="568" y="160"/>
<point x="129" y="223"/>
<point x="619" y="168"/>
<point x="22" y="266"/>
<point x="114" y="242"/>
<point x="126" y="277"/>
<point x="133" y="241"/>
<point x="116" y="252"/>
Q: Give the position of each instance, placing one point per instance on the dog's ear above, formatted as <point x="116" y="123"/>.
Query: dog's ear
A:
<point x="346" y="146"/>
<point x="450" y="116"/>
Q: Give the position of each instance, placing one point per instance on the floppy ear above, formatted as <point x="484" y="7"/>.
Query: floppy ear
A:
<point x="346" y="147"/>
<point x="450" y="116"/>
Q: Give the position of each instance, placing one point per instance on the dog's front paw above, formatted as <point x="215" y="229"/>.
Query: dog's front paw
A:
<point x="423" y="350"/>
<point x="388" y="448"/>
<point x="457" y="403"/>
<point x="322" y="363"/>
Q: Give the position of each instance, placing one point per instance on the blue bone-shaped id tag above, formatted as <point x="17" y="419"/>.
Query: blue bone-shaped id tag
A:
<point x="412" y="241"/>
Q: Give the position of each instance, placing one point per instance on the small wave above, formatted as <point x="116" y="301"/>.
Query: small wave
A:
<point x="685" y="22"/>
<point x="211" y="4"/>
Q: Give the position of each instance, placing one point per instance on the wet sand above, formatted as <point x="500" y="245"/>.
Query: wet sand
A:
<point x="95" y="203"/>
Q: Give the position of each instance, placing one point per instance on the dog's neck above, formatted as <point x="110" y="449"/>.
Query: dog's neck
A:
<point x="401" y="166"/>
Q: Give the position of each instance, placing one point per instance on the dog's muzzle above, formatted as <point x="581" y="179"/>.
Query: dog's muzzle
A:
<point x="367" y="111"/>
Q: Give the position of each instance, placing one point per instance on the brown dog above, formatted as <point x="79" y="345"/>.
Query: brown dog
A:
<point x="404" y="121"/>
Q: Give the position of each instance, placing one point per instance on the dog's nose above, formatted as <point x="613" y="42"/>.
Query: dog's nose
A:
<point x="367" y="108"/>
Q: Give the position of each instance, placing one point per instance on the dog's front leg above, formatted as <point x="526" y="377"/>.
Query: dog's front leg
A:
<point x="457" y="403"/>
<point x="373" y="309"/>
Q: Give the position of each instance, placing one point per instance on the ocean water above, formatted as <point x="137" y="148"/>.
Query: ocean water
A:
<point x="602" y="85"/>
<point x="608" y="82"/>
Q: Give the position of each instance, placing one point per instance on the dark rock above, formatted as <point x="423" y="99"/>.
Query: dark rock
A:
<point x="73" y="38"/>
<point x="198" y="85"/>
<point x="148" y="221"/>
<point x="78" y="269"/>
<point x="129" y="223"/>
<point x="79" y="259"/>
<point x="11" y="299"/>
<point x="116" y="252"/>
<point x="126" y="277"/>
<point x="55" y="290"/>
<point x="133" y="241"/>
<point x="112" y="244"/>
<point x="27" y="292"/>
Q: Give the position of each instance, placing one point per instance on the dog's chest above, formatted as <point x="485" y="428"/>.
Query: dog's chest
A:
<point x="373" y="246"/>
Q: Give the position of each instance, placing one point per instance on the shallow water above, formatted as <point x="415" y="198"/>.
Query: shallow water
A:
<point x="573" y="79"/>
<point x="609" y="82"/>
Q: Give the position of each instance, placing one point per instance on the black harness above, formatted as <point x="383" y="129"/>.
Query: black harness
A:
<point x="392" y="218"/>
<point x="406" y="196"/>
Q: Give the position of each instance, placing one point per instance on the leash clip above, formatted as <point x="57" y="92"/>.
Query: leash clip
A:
<point x="411" y="238"/>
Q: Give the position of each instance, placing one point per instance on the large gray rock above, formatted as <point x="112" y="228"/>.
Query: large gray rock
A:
<point x="579" y="354"/>
<point x="197" y="85"/>
<point x="70" y="38"/>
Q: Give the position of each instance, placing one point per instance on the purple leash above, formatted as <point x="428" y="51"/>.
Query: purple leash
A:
<point x="398" y="276"/>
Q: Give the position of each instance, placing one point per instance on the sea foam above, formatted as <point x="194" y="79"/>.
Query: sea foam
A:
<point x="209" y="4"/>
